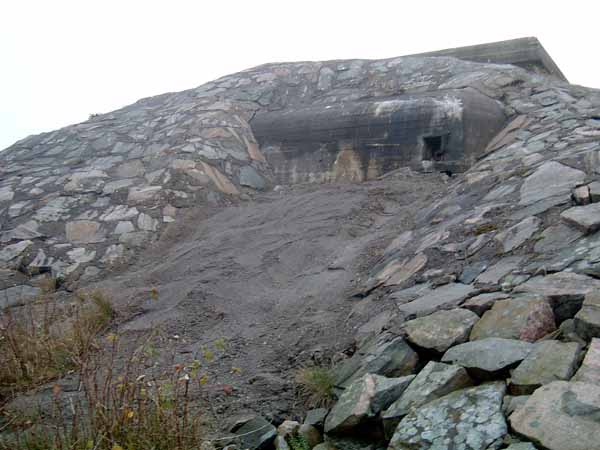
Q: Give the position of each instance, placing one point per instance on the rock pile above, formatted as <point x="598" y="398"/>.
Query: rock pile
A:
<point x="492" y="297"/>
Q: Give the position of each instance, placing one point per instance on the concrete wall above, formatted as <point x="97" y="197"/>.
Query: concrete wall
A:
<point x="360" y="140"/>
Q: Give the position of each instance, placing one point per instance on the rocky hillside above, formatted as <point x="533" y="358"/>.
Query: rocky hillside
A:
<point x="472" y="300"/>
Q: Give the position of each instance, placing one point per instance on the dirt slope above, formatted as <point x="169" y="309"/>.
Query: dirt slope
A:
<point x="272" y="277"/>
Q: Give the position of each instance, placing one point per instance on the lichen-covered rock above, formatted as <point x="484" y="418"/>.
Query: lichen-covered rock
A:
<point x="469" y="419"/>
<point x="518" y="234"/>
<point x="488" y="358"/>
<point x="364" y="400"/>
<point x="441" y="330"/>
<point x="564" y="290"/>
<point x="585" y="218"/>
<point x="433" y="381"/>
<point x="255" y="433"/>
<point x="587" y="320"/>
<point x="524" y="318"/>
<point x="549" y="361"/>
<point x="589" y="371"/>
<point x="445" y="297"/>
<point x="385" y="354"/>
<point x="561" y="416"/>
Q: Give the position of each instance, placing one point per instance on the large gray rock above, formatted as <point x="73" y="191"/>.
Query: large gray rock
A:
<point x="589" y="372"/>
<point x="18" y="295"/>
<point x="487" y="358"/>
<point x="561" y="416"/>
<point x="587" y="320"/>
<point x="585" y="218"/>
<point x="552" y="180"/>
<point x="251" y="178"/>
<point x="434" y="381"/>
<point x="525" y="318"/>
<point x="549" y="361"/>
<point x="518" y="234"/>
<point x="255" y="433"/>
<point x="441" y="330"/>
<point x="445" y="297"/>
<point x="385" y="354"/>
<point x="363" y="400"/>
<point x="467" y="419"/>
<point x="564" y="290"/>
<point x="556" y="237"/>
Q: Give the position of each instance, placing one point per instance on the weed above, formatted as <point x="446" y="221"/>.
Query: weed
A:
<point x="297" y="442"/>
<point x="316" y="385"/>
<point x="44" y="339"/>
<point x="124" y="404"/>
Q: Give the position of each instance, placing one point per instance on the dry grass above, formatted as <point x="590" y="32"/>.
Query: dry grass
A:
<point x="43" y="340"/>
<point x="315" y="385"/>
<point x="124" y="402"/>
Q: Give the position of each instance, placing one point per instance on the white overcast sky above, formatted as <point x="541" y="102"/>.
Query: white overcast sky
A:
<point x="61" y="60"/>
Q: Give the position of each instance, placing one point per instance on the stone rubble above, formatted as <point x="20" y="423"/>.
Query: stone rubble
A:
<point x="518" y="231"/>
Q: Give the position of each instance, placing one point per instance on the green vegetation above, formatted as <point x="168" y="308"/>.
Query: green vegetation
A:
<point x="298" y="442"/>
<point x="315" y="385"/>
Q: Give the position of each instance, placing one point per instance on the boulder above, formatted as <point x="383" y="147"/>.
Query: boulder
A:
<point x="561" y="416"/>
<point x="445" y="297"/>
<point x="584" y="218"/>
<point x="483" y="302"/>
<point x="363" y="400"/>
<point x="316" y="417"/>
<point x="525" y="318"/>
<point x="434" y="381"/>
<point x="564" y="290"/>
<point x="513" y="402"/>
<point x="587" y="320"/>
<point x="255" y="433"/>
<point x="385" y="354"/>
<point x="441" y="330"/>
<point x="549" y="361"/>
<point x="551" y="181"/>
<point x="521" y="446"/>
<point x="469" y="418"/>
<point x="490" y="357"/>
<point x="589" y="372"/>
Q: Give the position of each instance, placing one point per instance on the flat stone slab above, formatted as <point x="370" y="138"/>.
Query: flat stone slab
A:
<point x="486" y="358"/>
<point x="561" y="416"/>
<point x="442" y="329"/>
<point x="518" y="234"/>
<point x="446" y="297"/>
<point x="434" y="381"/>
<point x="483" y="302"/>
<point x="495" y="273"/>
<point x="526" y="318"/>
<point x="556" y="237"/>
<point x="549" y="361"/>
<point x="466" y="419"/>
<point x="385" y="354"/>
<point x="589" y="372"/>
<point x="364" y="400"/>
<point x="18" y="295"/>
<point x="564" y="290"/>
<point x="550" y="180"/>
<point x="587" y="320"/>
<point x="585" y="218"/>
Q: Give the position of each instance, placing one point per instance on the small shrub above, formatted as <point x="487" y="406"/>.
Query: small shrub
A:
<point x="124" y="407"/>
<point x="316" y="385"/>
<point x="297" y="442"/>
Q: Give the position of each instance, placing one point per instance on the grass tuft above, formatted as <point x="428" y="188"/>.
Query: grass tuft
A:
<point x="315" y="385"/>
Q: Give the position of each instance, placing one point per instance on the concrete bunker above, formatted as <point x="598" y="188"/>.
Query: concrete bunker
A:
<point x="361" y="140"/>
